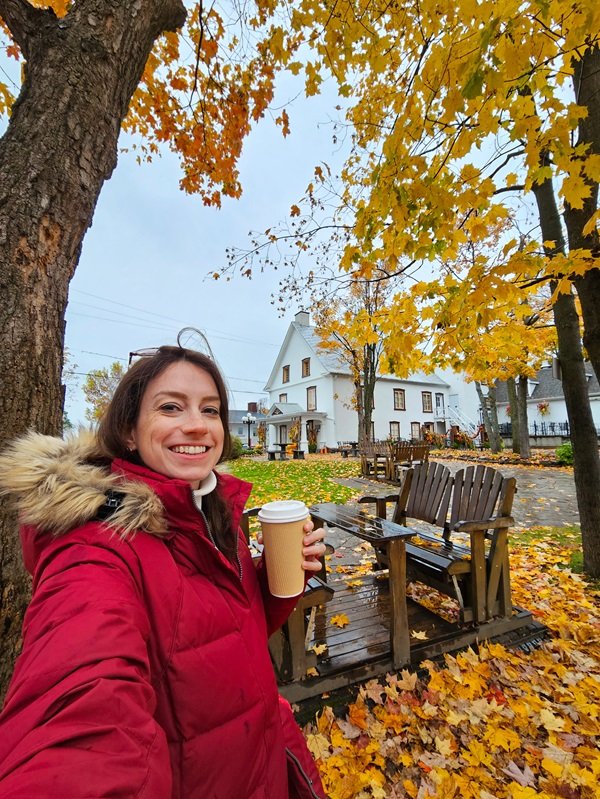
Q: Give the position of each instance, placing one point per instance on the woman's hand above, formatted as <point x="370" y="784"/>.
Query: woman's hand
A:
<point x="313" y="547"/>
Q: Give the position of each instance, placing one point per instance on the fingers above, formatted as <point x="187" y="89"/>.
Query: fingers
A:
<point x="313" y="548"/>
<point x="312" y="536"/>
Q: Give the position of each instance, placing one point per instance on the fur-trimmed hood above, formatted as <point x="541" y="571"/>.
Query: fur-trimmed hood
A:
<point x="56" y="486"/>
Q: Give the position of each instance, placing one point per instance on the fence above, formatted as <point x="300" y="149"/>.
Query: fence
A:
<point x="541" y="429"/>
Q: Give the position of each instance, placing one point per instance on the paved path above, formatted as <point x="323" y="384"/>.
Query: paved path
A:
<point x="545" y="497"/>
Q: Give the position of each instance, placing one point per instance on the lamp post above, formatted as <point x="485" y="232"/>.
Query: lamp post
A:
<point x="249" y="420"/>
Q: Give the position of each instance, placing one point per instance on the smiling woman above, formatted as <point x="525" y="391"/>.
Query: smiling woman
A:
<point x="179" y="431"/>
<point x="146" y="601"/>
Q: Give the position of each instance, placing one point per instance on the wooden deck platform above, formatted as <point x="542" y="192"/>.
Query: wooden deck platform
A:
<point x="361" y="649"/>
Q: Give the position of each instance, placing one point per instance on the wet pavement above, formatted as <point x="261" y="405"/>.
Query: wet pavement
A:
<point x="545" y="497"/>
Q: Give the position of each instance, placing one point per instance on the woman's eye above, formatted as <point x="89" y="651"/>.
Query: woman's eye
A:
<point x="169" y="407"/>
<point x="211" y="411"/>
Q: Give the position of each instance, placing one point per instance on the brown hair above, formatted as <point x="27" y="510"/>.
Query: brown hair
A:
<point x="123" y="411"/>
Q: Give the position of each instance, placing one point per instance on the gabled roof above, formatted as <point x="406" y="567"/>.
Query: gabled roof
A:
<point x="312" y="341"/>
<point x="549" y="387"/>
<point x="333" y="363"/>
<point x="284" y="409"/>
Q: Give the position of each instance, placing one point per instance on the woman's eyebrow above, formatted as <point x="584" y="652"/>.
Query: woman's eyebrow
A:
<point x="182" y="395"/>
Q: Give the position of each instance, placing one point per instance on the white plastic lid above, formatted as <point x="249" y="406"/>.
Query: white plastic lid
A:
<point x="285" y="510"/>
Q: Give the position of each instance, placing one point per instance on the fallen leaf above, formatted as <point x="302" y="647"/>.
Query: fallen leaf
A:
<point x="340" y="620"/>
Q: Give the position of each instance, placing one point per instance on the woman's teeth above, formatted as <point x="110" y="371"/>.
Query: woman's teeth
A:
<point x="189" y="450"/>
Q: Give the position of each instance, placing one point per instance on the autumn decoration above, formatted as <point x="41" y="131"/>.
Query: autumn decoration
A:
<point x="543" y="408"/>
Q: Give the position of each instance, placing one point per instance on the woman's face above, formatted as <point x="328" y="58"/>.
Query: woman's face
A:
<point x="179" y="432"/>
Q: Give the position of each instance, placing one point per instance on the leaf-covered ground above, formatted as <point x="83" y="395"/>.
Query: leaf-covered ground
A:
<point x="487" y="723"/>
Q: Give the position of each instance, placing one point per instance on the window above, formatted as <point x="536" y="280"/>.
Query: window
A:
<point x="394" y="429"/>
<point x="415" y="430"/>
<point x="311" y="398"/>
<point x="285" y="376"/>
<point x="399" y="399"/>
<point x="427" y="403"/>
<point x="306" y="367"/>
<point x="283" y="398"/>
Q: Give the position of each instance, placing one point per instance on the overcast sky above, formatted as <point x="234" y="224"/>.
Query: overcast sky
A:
<point x="143" y="270"/>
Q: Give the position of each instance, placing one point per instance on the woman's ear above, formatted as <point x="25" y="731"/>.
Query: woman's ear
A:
<point x="130" y="442"/>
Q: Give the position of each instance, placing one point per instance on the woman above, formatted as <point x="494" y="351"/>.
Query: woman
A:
<point x="145" y="669"/>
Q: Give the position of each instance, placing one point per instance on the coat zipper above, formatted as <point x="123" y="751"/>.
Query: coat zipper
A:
<point x="214" y="543"/>
<point x="309" y="782"/>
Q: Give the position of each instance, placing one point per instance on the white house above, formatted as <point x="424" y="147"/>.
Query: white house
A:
<point x="315" y="387"/>
<point x="546" y="408"/>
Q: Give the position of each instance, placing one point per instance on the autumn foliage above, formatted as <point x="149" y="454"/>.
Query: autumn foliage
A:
<point x="495" y="723"/>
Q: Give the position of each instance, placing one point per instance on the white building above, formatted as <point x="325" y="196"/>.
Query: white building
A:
<point x="546" y="408"/>
<point x="315" y="387"/>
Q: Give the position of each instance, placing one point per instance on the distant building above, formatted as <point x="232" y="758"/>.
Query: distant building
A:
<point x="238" y="429"/>
<point x="546" y="407"/>
<point x="313" y="386"/>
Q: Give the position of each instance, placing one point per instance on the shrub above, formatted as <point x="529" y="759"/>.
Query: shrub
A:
<point x="437" y="440"/>
<point x="564" y="454"/>
<point x="237" y="448"/>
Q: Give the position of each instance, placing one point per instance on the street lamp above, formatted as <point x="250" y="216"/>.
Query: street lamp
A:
<point x="249" y="420"/>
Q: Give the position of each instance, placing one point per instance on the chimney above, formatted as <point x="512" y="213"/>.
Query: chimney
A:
<point x="252" y="407"/>
<point x="303" y="318"/>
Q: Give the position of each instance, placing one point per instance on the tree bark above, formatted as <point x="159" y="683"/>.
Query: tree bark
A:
<point x="515" y="432"/>
<point x="586" y="461"/>
<point x="371" y="361"/>
<point x="586" y="83"/>
<point x="59" y="149"/>
<point x="523" y="422"/>
<point x="489" y="411"/>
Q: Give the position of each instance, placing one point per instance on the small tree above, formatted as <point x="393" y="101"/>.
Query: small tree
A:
<point x="99" y="388"/>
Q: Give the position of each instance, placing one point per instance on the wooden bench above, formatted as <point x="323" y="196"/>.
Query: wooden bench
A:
<point x="403" y="455"/>
<point x="346" y="448"/>
<point x="476" y="501"/>
<point x="390" y="458"/>
<point x="374" y="457"/>
<point x="287" y="646"/>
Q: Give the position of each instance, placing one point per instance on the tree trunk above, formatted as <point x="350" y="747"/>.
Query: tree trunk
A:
<point x="59" y="148"/>
<point x="586" y="84"/>
<point x="490" y="416"/>
<point x="515" y="432"/>
<point x="523" y="423"/>
<point x="370" y="361"/>
<point x="586" y="461"/>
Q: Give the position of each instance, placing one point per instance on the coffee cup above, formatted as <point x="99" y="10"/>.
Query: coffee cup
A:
<point x="282" y="524"/>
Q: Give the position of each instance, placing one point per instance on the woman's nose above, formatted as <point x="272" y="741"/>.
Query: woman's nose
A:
<point x="194" y="420"/>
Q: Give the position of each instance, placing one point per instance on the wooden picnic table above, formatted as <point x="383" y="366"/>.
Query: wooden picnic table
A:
<point x="391" y="537"/>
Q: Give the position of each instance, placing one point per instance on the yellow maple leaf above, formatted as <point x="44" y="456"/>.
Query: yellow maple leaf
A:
<point x="420" y="634"/>
<point x="550" y="721"/>
<point x="340" y="620"/>
<point x="318" y="745"/>
<point x="312" y="672"/>
<point x="318" y="649"/>
<point x="354" y="583"/>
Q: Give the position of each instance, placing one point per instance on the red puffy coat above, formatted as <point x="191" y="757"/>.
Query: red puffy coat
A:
<point x="145" y="670"/>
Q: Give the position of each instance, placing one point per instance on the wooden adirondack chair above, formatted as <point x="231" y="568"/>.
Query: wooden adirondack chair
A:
<point x="476" y="501"/>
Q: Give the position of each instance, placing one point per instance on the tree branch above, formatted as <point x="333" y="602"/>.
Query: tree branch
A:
<point x="23" y="21"/>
